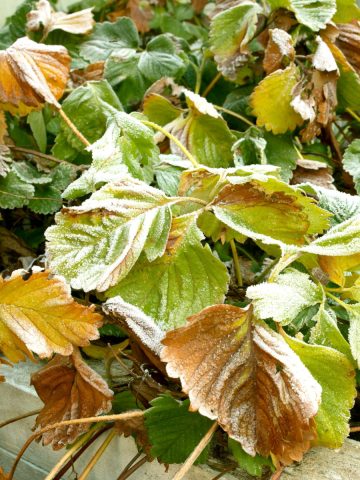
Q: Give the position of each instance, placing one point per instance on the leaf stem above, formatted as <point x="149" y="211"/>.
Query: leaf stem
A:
<point x="236" y="261"/>
<point x="353" y="114"/>
<point x="74" y="128"/>
<point x="194" y="455"/>
<point x="191" y="199"/>
<point x="167" y="134"/>
<point x="337" y="300"/>
<point x="43" y="155"/>
<point x="283" y="262"/>
<point x="95" y="458"/>
<point x="77" y="421"/>
<point x="212" y="84"/>
<point x="129" y="471"/>
<point x="19" y="417"/>
<point x="234" y="114"/>
<point x="199" y="72"/>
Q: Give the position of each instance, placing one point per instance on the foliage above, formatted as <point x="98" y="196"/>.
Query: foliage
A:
<point x="189" y="172"/>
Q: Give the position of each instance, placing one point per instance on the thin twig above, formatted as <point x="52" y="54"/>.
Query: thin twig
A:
<point x="355" y="429"/>
<point x="19" y="417"/>
<point x="219" y="475"/>
<point x="234" y="114"/>
<point x="95" y="458"/>
<point x="74" y="128"/>
<point x="194" y="455"/>
<point x="37" y="154"/>
<point x="130" y="464"/>
<point x="78" y="421"/>
<point x="127" y="473"/>
<point x="212" y="84"/>
<point x="236" y="262"/>
<point x="353" y="114"/>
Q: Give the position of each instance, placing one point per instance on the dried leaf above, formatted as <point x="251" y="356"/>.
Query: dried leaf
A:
<point x="198" y="5"/>
<point x="80" y="22"/>
<point x="348" y="41"/>
<point x="311" y="171"/>
<point x="5" y="160"/>
<point x="70" y="389"/>
<point x="279" y="50"/>
<point x="3" y="127"/>
<point x="37" y="313"/>
<point x="139" y="11"/>
<point x="94" y="72"/>
<point x="240" y="372"/>
<point x="31" y="74"/>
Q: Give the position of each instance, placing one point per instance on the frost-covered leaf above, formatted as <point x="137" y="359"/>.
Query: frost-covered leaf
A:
<point x="323" y="60"/>
<point x="279" y="50"/>
<point x="284" y="299"/>
<point x="174" y="431"/>
<point x="240" y="372"/>
<point x="351" y="162"/>
<point x="313" y="14"/>
<point x="39" y="314"/>
<point x="168" y="172"/>
<point x="70" y="389"/>
<point x="342" y="239"/>
<point x="335" y="267"/>
<point x="271" y="101"/>
<point x="313" y="172"/>
<point x="30" y="174"/>
<point x="47" y="199"/>
<point x="230" y="32"/>
<point x="80" y="22"/>
<point x="354" y="331"/>
<point x="269" y="210"/>
<point x="96" y="244"/>
<point x="14" y="192"/>
<point x="184" y="280"/>
<point x="336" y="375"/>
<point x="32" y="74"/>
<point x="5" y="160"/>
<point x="108" y="38"/>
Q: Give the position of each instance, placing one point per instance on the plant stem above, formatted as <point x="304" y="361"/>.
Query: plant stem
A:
<point x="78" y="421"/>
<point x="199" y="72"/>
<point x="19" y="417"/>
<point x="167" y="134"/>
<point x="266" y="270"/>
<point x="337" y="300"/>
<point x="95" y="458"/>
<point x="194" y="455"/>
<point x="353" y="114"/>
<point x="130" y="464"/>
<point x="236" y="261"/>
<point x="73" y="128"/>
<point x="284" y="261"/>
<point x="236" y="115"/>
<point x="355" y="429"/>
<point x="129" y="471"/>
<point x="41" y="155"/>
<point x="191" y="199"/>
<point x="212" y="84"/>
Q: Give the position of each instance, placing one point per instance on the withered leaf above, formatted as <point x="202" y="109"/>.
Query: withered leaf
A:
<point x="80" y="22"/>
<point x="139" y="11"/>
<point x="32" y="74"/>
<point x="279" y="51"/>
<point x="70" y="389"/>
<point x="198" y="5"/>
<point x="93" y="72"/>
<point x="135" y="426"/>
<point x="348" y="41"/>
<point x="5" y="160"/>
<point x="3" y="127"/>
<point x="311" y="171"/>
<point x="240" y="372"/>
<point x="38" y="313"/>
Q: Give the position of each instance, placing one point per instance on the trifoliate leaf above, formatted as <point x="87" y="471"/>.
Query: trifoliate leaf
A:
<point x="174" y="431"/>
<point x="336" y="375"/>
<point x="230" y="32"/>
<point x="285" y="298"/>
<point x="326" y="332"/>
<point x="32" y="74"/>
<point x="271" y="101"/>
<point x="314" y="15"/>
<point x="14" y="192"/>
<point x="237" y="370"/>
<point x="184" y="280"/>
<point x="96" y="244"/>
<point x="253" y="465"/>
<point x="110" y="37"/>
<point x="343" y="239"/>
<point x="39" y="314"/>
<point x="351" y="162"/>
<point x="70" y="390"/>
<point x="269" y="210"/>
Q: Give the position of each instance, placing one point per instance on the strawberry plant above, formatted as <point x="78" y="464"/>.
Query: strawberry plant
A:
<point x="179" y="201"/>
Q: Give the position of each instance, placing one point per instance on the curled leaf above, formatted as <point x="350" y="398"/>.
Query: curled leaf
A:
<point x="70" y="389"/>
<point x="32" y="74"/>
<point x="279" y="50"/>
<point x="240" y="372"/>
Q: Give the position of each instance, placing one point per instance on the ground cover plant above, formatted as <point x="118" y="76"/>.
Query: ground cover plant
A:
<point x="180" y="221"/>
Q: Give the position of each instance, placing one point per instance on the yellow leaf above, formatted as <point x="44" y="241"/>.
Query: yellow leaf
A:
<point x="271" y="100"/>
<point x="39" y="315"/>
<point x="32" y="74"/>
<point x="336" y="267"/>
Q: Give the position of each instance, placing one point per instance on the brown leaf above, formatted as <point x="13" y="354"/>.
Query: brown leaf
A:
<point x="279" y="51"/>
<point x="198" y="5"/>
<point x="81" y="22"/>
<point x="311" y="171"/>
<point x="240" y="372"/>
<point x="93" y="72"/>
<point x="32" y="74"/>
<point x="140" y="11"/>
<point x="3" y="127"/>
<point x="348" y="41"/>
<point x="135" y="426"/>
<point x="70" y="389"/>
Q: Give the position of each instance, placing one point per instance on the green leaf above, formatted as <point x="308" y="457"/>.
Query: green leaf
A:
<point x="351" y="162"/>
<point x="87" y="107"/>
<point x="313" y="14"/>
<point x="38" y="128"/>
<point x="96" y="244"/>
<point x="230" y="32"/>
<point x="250" y="148"/>
<point x="15" y="25"/>
<point x="168" y="172"/>
<point x="30" y="174"/>
<point x="326" y="332"/>
<point x="271" y="101"/>
<point x="110" y="37"/>
<point x="253" y="465"/>
<point x="14" y="192"/>
<point x="284" y="299"/>
<point x="187" y="278"/>
<point x="354" y="330"/>
<point x="346" y="11"/>
<point x="125" y="401"/>
<point x="269" y="210"/>
<point x="47" y="199"/>
<point x="336" y="375"/>
<point x="173" y="431"/>
<point x="159" y="109"/>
